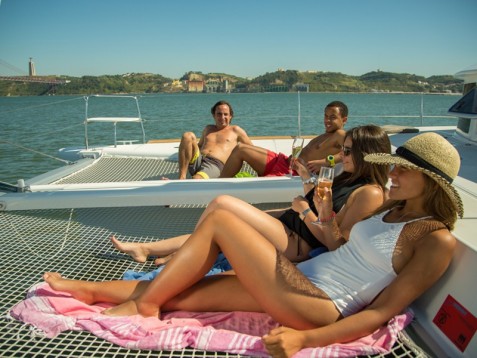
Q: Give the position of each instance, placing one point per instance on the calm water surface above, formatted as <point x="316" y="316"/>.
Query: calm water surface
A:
<point x="34" y="128"/>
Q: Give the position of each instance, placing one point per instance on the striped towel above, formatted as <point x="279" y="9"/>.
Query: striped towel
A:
<point x="53" y="312"/>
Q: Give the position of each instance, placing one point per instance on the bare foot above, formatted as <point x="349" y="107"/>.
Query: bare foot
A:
<point x="130" y="308"/>
<point x="163" y="260"/>
<point x="133" y="249"/>
<point x="77" y="289"/>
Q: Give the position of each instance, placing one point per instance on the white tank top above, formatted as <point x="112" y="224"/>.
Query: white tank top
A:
<point x="354" y="274"/>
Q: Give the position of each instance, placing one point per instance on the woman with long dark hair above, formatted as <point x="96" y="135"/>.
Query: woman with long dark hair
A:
<point x="357" y="192"/>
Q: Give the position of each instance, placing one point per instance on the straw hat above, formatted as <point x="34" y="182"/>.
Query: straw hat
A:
<point x="431" y="154"/>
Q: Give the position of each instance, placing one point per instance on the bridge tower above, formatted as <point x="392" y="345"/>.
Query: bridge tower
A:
<point x="31" y="67"/>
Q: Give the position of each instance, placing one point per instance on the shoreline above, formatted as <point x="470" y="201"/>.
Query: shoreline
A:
<point x="234" y="93"/>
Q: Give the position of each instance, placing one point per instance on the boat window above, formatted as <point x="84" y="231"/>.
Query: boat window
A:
<point x="464" y="125"/>
<point x="468" y="87"/>
<point x="466" y="106"/>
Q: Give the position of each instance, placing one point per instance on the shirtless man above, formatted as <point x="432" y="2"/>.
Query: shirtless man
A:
<point x="322" y="150"/>
<point x="206" y="158"/>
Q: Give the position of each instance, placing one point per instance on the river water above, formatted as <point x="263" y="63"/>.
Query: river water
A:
<point x="34" y="128"/>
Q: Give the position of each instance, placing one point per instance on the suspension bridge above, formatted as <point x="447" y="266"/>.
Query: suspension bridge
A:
<point x="31" y="77"/>
<point x="38" y="79"/>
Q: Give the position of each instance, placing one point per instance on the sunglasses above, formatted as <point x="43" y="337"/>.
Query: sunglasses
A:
<point x="346" y="150"/>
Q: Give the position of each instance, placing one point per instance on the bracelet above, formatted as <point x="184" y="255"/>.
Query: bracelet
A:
<point x="304" y="213"/>
<point x="311" y="180"/>
<point x="327" y="220"/>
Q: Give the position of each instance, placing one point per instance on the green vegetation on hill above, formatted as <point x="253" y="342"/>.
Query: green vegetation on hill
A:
<point x="279" y="81"/>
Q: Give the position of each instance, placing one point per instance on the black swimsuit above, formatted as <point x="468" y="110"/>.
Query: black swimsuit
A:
<point x="341" y="192"/>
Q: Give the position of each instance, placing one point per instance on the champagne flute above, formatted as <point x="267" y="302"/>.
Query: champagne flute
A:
<point x="325" y="180"/>
<point x="297" y="147"/>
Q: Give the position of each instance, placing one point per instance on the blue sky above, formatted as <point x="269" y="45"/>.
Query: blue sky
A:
<point x="246" y="38"/>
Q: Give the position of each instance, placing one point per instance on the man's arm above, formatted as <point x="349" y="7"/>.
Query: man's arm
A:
<point x="332" y="146"/>
<point x="242" y="136"/>
<point x="315" y="165"/>
<point x="337" y="157"/>
<point x="335" y="151"/>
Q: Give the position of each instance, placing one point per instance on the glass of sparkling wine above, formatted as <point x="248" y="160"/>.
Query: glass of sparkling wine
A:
<point x="325" y="180"/>
<point x="297" y="146"/>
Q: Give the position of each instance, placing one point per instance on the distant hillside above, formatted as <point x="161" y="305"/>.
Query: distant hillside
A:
<point x="405" y="82"/>
<point x="278" y="81"/>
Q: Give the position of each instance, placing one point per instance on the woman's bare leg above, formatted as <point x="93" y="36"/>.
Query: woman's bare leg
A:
<point x="102" y="291"/>
<point x="140" y="251"/>
<point x="254" y="260"/>
<point x="264" y="222"/>
<point x="262" y="282"/>
<point x="239" y="207"/>
<point x="120" y="291"/>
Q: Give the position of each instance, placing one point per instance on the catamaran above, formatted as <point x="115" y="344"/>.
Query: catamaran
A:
<point x="61" y="221"/>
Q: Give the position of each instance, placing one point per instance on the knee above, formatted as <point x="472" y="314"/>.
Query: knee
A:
<point x="188" y="137"/>
<point x="220" y="202"/>
<point x="218" y="217"/>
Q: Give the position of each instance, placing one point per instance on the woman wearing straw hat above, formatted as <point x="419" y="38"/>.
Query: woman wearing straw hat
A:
<point x="390" y="259"/>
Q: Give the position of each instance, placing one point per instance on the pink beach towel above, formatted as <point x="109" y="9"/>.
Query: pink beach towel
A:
<point x="235" y="332"/>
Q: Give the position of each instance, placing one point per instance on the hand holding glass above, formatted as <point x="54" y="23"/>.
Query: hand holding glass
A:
<point x="325" y="180"/>
<point x="297" y="147"/>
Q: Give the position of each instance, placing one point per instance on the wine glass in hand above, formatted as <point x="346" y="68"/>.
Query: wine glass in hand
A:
<point x="297" y="146"/>
<point x="325" y="180"/>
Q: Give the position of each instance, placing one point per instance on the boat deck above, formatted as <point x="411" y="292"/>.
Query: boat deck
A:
<point x="75" y="242"/>
<point x="116" y="169"/>
<point x="79" y="248"/>
<point x="123" y="169"/>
